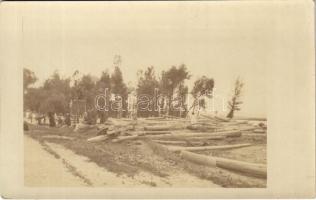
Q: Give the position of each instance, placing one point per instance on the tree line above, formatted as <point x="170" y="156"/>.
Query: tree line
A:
<point x="165" y="94"/>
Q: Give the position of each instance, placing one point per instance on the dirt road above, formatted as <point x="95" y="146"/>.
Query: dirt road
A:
<point x="50" y="164"/>
<point x="43" y="169"/>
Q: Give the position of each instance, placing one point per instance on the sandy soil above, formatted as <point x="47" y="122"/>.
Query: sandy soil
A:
<point x="54" y="165"/>
<point x="43" y="169"/>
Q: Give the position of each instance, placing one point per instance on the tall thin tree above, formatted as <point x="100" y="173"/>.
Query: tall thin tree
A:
<point x="234" y="103"/>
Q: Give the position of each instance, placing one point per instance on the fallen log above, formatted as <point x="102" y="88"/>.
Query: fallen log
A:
<point x="118" y="131"/>
<point x="222" y="119"/>
<point x="156" y="132"/>
<point x="198" y="158"/>
<point x="200" y="127"/>
<point x="137" y="136"/>
<point x="248" y="129"/>
<point x="57" y="137"/>
<point x="176" y="149"/>
<point x="202" y="134"/>
<point x="254" y="134"/>
<point x="170" y="136"/>
<point x="251" y="118"/>
<point x="259" y="131"/>
<point x="214" y="135"/>
<point x="179" y="142"/>
<point x="98" y="138"/>
<point x="257" y="170"/>
<point x="84" y="127"/>
<point x="157" y="128"/>
<point x="203" y="123"/>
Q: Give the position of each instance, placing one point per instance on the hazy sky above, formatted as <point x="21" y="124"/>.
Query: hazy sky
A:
<point x="217" y="39"/>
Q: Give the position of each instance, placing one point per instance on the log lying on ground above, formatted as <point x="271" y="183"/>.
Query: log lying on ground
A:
<point x="203" y="138"/>
<point x="204" y="123"/>
<point x="257" y="170"/>
<point x="140" y="135"/>
<point x="200" y="134"/>
<point x="198" y="158"/>
<point x="178" y="142"/>
<point x="189" y="138"/>
<point x="222" y="119"/>
<point x="251" y="118"/>
<point x="176" y="149"/>
<point x="200" y="127"/>
<point x="98" y="138"/>
<point x="84" y="127"/>
<point x="232" y="124"/>
<point x="157" y="128"/>
<point x="248" y="129"/>
<point x="119" y="131"/>
<point x="156" y="132"/>
<point x="259" y="131"/>
<point x="255" y="135"/>
<point x="57" y="137"/>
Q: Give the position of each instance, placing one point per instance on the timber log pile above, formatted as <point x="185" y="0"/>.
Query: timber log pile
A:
<point x="188" y="139"/>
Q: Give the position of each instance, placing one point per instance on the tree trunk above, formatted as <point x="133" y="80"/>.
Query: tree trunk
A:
<point x="230" y="114"/>
<point x="257" y="170"/>
<point x="174" y="148"/>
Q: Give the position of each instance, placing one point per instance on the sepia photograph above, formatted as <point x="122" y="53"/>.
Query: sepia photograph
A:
<point x="162" y="101"/>
<point x="159" y="99"/>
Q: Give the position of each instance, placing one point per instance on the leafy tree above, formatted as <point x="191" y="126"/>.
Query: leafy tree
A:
<point x="119" y="89"/>
<point x="147" y="86"/>
<point x="55" y="95"/>
<point x="84" y="89"/>
<point x="203" y="87"/>
<point x="28" y="78"/>
<point x="170" y="80"/>
<point x="33" y="98"/>
<point x="104" y="87"/>
<point x="54" y="103"/>
<point x="234" y="103"/>
<point x="180" y="100"/>
<point x="55" y="84"/>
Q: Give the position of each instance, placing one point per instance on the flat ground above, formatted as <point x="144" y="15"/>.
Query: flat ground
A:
<point x="52" y="165"/>
<point x="61" y="162"/>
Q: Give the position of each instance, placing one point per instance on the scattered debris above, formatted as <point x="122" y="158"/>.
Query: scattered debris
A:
<point x="204" y="137"/>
